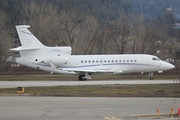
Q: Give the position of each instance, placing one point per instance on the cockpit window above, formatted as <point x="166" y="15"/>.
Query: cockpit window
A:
<point x="154" y="59"/>
<point x="158" y="59"/>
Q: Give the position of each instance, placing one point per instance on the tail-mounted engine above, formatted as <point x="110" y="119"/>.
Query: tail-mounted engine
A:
<point x="58" y="60"/>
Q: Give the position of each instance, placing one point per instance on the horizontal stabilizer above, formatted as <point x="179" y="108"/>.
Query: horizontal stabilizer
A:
<point x="22" y="26"/>
<point x="24" y="48"/>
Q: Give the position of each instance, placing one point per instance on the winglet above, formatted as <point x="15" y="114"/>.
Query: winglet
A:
<point x="22" y="26"/>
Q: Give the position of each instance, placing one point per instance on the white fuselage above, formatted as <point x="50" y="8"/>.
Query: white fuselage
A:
<point x="119" y="64"/>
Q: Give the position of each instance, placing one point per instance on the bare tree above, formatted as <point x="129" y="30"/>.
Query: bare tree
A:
<point x="170" y="47"/>
<point x="89" y="36"/>
<point x="70" y="24"/>
<point x="5" y="39"/>
<point x="121" y="33"/>
<point x="82" y="33"/>
<point x="64" y="28"/>
<point x="138" y="34"/>
<point x="145" y="37"/>
<point x="43" y="19"/>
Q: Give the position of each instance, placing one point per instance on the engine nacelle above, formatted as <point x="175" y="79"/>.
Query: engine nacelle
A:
<point x="62" y="51"/>
<point x="58" y="60"/>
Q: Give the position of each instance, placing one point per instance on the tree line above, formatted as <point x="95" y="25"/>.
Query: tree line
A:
<point x="90" y="30"/>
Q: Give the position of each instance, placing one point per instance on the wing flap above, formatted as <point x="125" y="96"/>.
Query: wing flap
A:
<point x="105" y="70"/>
<point x="77" y="70"/>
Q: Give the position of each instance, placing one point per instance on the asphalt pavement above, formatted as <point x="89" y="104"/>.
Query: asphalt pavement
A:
<point x="85" y="108"/>
<point x="13" y="84"/>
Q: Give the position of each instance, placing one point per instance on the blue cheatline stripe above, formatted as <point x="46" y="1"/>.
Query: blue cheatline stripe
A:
<point x="105" y="65"/>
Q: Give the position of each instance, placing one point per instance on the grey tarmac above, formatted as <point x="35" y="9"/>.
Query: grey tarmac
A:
<point x="12" y="84"/>
<point x="83" y="108"/>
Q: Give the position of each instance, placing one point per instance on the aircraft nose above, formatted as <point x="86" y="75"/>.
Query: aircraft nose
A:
<point x="169" y="66"/>
<point x="166" y="66"/>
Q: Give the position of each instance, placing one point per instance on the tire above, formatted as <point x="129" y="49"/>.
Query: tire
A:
<point x="81" y="77"/>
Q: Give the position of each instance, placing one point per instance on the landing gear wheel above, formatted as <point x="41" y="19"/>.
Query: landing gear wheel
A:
<point x="151" y="75"/>
<point x="82" y="77"/>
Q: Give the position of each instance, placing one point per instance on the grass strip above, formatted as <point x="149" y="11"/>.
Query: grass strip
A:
<point x="60" y="77"/>
<point x="159" y="90"/>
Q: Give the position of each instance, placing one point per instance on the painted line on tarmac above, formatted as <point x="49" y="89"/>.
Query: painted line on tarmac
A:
<point x="111" y="118"/>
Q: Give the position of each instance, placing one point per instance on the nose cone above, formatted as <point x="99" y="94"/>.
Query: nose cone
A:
<point x="168" y="66"/>
<point x="171" y="66"/>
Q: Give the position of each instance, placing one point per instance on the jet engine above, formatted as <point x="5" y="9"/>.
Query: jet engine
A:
<point x="58" y="60"/>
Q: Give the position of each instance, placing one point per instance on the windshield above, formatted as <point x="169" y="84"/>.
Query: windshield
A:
<point x="156" y="59"/>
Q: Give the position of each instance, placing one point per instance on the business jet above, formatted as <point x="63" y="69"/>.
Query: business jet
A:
<point x="59" y="59"/>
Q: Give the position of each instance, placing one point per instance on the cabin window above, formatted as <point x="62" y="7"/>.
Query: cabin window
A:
<point x="109" y="61"/>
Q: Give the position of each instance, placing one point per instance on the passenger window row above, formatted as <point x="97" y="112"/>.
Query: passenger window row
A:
<point x="108" y="61"/>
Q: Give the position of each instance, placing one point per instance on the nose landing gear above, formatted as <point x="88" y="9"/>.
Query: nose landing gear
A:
<point x="151" y="75"/>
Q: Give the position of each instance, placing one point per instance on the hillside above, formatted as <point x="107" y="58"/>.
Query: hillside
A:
<point x="95" y="26"/>
<point x="104" y="10"/>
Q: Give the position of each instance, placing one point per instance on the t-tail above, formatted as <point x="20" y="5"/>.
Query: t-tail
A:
<point x="29" y="42"/>
<point x="31" y="46"/>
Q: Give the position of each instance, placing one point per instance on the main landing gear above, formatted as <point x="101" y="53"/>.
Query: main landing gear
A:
<point x="82" y="77"/>
<point x="151" y="75"/>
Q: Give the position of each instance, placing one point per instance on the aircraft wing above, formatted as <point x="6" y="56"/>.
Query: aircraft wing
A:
<point x="88" y="70"/>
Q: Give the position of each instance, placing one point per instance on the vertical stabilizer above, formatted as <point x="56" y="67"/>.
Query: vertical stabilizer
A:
<point x="28" y="40"/>
<point x="31" y="48"/>
<point x="30" y="45"/>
